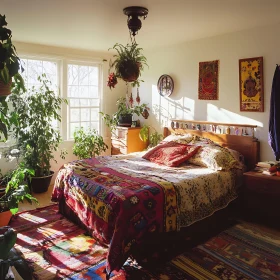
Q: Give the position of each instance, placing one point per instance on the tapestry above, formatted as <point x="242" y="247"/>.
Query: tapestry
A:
<point x="251" y="84"/>
<point x="208" y="82"/>
<point x="56" y="248"/>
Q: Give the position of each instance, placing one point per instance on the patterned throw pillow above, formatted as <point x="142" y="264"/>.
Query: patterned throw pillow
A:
<point x="171" y="153"/>
<point x="239" y="158"/>
<point x="215" y="157"/>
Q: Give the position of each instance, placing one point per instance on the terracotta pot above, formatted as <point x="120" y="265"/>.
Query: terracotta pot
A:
<point x="5" y="218"/>
<point x="129" y="71"/>
<point x="5" y="89"/>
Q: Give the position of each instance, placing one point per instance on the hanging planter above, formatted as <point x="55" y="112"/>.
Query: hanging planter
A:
<point x="128" y="64"/>
<point x="10" y="64"/>
<point x="5" y="89"/>
<point x="129" y="71"/>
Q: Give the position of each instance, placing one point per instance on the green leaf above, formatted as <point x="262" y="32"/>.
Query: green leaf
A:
<point x="4" y="75"/>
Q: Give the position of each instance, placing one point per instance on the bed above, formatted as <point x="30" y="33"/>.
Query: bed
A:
<point x="123" y="199"/>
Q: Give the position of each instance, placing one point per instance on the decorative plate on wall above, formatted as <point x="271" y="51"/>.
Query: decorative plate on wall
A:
<point x="165" y="85"/>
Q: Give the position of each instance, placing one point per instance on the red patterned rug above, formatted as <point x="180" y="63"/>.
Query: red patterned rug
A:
<point x="55" y="248"/>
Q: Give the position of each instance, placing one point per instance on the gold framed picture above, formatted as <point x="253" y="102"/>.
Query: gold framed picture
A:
<point x="251" y="84"/>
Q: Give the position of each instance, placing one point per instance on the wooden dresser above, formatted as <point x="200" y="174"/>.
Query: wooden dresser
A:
<point x="261" y="197"/>
<point x="126" y="140"/>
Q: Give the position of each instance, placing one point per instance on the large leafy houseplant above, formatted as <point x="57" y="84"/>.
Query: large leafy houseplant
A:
<point x="128" y="64"/>
<point x="7" y="119"/>
<point x="37" y="137"/>
<point x="17" y="189"/>
<point x="10" y="64"/>
<point x="112" y="121"/>
<point x="88" y="143"/>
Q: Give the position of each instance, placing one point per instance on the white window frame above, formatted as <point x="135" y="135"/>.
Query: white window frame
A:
<point x="62" y="64"/>
<point x="65" y="113"/>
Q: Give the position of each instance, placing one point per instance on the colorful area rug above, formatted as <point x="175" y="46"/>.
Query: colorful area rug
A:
<point x="55" y="248"/>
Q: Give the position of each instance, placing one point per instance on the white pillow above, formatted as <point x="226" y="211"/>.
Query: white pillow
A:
<point x="183" y="139"/>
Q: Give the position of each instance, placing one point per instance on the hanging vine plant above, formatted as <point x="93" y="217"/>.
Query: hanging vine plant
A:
<point x="128" y="64"/>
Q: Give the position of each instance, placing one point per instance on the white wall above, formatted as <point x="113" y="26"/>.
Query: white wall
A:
<point x="182" y="61"/>
<point x="108" y="101"/>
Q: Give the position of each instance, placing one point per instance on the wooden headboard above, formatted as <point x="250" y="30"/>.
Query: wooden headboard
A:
<point x="247" y="145"/>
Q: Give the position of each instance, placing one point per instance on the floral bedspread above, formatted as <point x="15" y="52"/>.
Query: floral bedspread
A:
<point x="120" y="198"/>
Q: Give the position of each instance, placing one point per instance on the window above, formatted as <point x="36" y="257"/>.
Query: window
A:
<point x="83" y="94"/>
<point x="36" y="67"/>
<point x="81" y="87"/>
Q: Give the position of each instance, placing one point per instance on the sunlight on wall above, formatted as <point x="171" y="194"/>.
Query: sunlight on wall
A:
<point x="216" y="114"/>
<point x="166" y="108"/>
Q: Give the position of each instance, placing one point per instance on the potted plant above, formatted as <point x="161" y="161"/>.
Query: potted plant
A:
<point x="123" y="116"/>
<point x="129" y="62"/>
<point x="8" y="239"/>
<point x="16" y="191"/>
<point x="37" y="138"/>
<point x="154" y="137"/>
<point x="88" y="144"/>
<point x="10" y="64"/>
<point x="7" y="119"/>
<point x="9" y="256"/>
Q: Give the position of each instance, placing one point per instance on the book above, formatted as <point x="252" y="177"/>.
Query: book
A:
<point x="269" y="173"/>
<point x="267" y="164"/>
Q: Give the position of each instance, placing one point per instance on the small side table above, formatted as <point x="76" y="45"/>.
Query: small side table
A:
<point x="261" y="197"/>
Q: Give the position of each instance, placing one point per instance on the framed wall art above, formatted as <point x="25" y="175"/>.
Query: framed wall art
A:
<point x="208" y="81"/>
<point x="251" y="84"/>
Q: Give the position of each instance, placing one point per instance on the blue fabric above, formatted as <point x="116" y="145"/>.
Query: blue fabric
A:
<point x="274" y="117"/>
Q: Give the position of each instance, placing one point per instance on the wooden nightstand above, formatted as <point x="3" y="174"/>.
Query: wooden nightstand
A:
<point x="126" y="140"/>
<point x="261" y="197"/>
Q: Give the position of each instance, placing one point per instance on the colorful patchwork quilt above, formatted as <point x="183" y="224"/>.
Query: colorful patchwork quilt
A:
<point x="122" y="198"/>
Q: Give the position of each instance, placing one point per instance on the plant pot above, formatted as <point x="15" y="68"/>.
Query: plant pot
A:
<point x="129" y="71"/>
<point x="125" y="120"/>
<point x="5" y="89"/>
<point x="5" y="217"/>
<point x="41" y="184"/>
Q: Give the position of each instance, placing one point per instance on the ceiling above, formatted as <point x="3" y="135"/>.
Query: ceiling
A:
<point x="99" y="24"/>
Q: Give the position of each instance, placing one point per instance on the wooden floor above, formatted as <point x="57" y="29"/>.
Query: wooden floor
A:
<point x="44" y="199"/>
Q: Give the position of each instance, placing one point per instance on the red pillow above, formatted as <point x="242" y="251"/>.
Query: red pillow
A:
<point x="171" y="153"/>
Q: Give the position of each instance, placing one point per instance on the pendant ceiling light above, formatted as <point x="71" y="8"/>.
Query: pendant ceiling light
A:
<point x="133" y="22"/>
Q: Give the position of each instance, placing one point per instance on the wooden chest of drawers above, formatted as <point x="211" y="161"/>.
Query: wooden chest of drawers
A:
<point x="126" y="140"/>
<point x="261" y="197"/>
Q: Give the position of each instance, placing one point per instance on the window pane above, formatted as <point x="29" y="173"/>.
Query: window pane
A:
<point x="83" y="91"/>
<point x="84" y="102"/>
<point x="94" y="102"/>
<point x="74" y="102"/>
<point x="95" y="125"/>
<point x="83" y="75"/>
<point x="94" y="114"/>
<point x="85" y="114"/>
<point x="83" y="84"/>
<point x="85" y="125"/>
<point x="49" y="67"/>
<point x="93" y="91"/>
<point x="74" y="115"/>
<point x="93" y="76"/>
<point x="73" y="91"/>
<point x="34" y="68"/>
<point x="73" y="127"/>
<point x="72" y="75"/>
